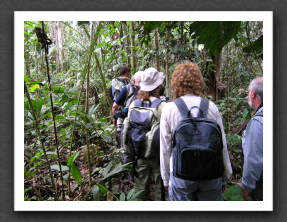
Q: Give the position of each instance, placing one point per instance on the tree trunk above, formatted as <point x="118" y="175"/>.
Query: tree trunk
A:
<point x="126" y="44"/>
<point x="60" y="39"/>
<point x="167" y="66"/>
<point x="217" y="65"/>
<point x="133" y="65"/>
<point x="156" y="47"/>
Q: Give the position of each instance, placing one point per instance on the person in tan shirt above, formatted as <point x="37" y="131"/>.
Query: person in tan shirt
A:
<point x="150" y="88"/>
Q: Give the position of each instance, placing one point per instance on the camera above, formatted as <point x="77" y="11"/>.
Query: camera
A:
<point x="121" y="113"/>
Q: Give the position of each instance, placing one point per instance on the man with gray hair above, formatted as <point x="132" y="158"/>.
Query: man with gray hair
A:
<point x="252" y="144"/>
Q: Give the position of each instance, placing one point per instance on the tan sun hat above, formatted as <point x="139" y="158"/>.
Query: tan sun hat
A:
<point x="150" y="79"/>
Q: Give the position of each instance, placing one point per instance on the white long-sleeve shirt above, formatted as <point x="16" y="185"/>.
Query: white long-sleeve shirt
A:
<point x="170" y="117"/>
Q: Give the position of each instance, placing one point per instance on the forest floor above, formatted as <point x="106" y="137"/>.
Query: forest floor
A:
<point x="39" y="185"/>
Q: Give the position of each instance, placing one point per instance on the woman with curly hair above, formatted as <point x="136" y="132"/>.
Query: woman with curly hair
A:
<point x="187" y="83"/>
<point x="150" y="89"/>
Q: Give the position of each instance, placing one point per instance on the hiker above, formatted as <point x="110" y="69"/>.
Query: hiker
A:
<point x="252" y="145"/>
<point x="187" y="84"/>
<point x="125" y="98"/>
<point x="117" y="85"/>
<point x="127" y="95"/>
<point x="141" y="133"/>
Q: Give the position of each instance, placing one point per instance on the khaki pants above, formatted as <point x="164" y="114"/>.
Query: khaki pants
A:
<point x="144" y="170"/>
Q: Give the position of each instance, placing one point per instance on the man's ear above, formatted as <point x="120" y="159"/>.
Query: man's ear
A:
<point x="253" y="94"/>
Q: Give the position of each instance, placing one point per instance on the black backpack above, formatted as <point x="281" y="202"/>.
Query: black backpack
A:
<point x="197" y="145"/>
<point x="140" y="135"/>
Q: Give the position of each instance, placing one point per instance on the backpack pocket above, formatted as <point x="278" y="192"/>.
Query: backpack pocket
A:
<point x="152" y="142"/>
<point x="197" y="162"/>
<point x="137" y="139"/>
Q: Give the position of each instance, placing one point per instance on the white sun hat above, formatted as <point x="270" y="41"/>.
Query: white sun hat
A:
<point x="137" y="76"/>
<point x="150" y="79"/>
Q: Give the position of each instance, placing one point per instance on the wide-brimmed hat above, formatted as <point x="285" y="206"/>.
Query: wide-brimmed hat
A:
<point x="150" y="79"/>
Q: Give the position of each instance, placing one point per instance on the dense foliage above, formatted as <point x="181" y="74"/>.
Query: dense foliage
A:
<point x="71" y="147"/>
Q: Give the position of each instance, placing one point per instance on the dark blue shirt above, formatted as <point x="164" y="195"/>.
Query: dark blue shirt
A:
<point x="122" y="96"/>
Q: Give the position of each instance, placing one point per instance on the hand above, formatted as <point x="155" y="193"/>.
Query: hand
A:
<point x="246" y="195"/>
<point x="224" y="188"/>
<point x="115" y="123"/>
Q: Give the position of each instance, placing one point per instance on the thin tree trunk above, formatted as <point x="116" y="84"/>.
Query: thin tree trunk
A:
<point x="60" y="34"/>
<point x="132" y="45"/>
<point x="217" y="64"/>
<point x="156" y="46"/>
<point x="87" y="72"/>
<point x="167" y="66"/>
<point x="124" y="42"/>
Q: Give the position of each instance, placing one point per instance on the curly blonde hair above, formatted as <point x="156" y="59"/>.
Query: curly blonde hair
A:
<point x="187" y="78"/>
<point x="145" y="94"/>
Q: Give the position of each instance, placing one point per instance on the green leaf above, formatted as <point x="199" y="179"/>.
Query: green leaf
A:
<point x="27" y="78"/>
<point x="117" y="169"/>
<point x="72" y="158"/>
<point x="66" y="176"/>
<point x="76" y="173"/>
<point x="79" y="23"/>
<point x="131" y="192"/>
<point x="103" y="188"/>
<point x="246" y="114"/>
<point x="103" y="120"/>
<point x="132" y="195"/>
<point x="122" y="197"/>
<point x="233" y="193"/>
<point x="107" y="168"/>
<point x="58" y="89"/>
<point x="33" y="88"/>
<point x="57" y="167"/>
<point x="257" y="45"/>
<point x="58" y="117"/>
<point x="237" y="151"/>
<point x="214" y="34"/>
<point x="96" y="193"/>
<point x="92" y="110"/>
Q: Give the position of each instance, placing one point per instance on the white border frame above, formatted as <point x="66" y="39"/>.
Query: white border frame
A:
<point x="20" y="17"/>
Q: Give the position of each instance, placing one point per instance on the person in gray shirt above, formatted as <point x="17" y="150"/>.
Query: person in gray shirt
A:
<point x="252" y="144"/>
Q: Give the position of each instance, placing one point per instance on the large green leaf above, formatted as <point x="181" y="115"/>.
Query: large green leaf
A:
<point x="255" y="46"/>
<point x="117" y="169"/>
<point x="214" y="34"/>
<point x="72" y="158"/>
<point x="76" y="173"/>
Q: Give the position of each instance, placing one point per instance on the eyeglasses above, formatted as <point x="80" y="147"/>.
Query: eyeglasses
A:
<point x="248" y="91"/>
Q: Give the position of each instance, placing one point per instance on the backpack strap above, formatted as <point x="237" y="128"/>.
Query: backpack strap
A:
<point x="128" y="94"/>
<point x="138" y="103"/>
<point x="182" y="107"/>
<point x="155" y="103"/>
<point x="203" y="108"/>
<point x="259" y="114"/>
<point x="132" y="91"/>
<point x="204" y="103"/>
